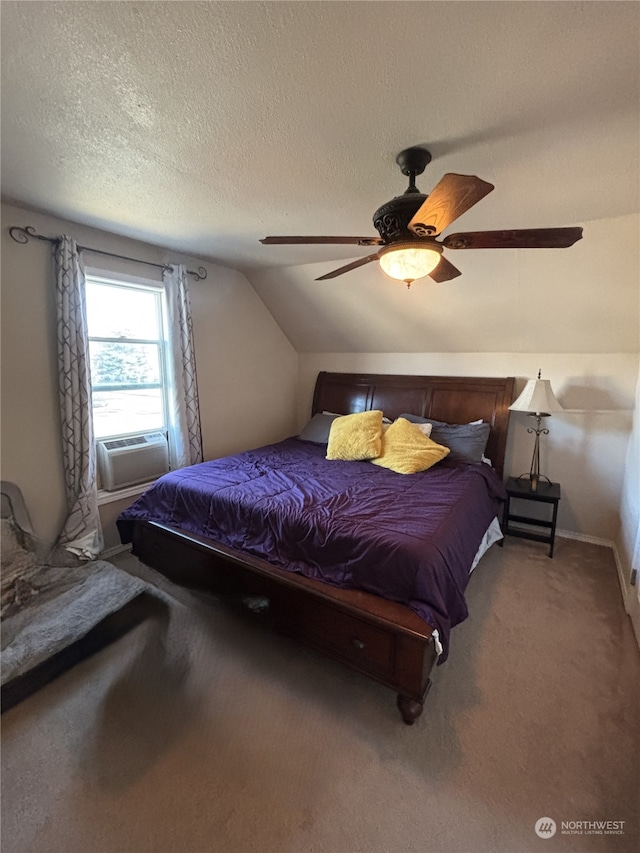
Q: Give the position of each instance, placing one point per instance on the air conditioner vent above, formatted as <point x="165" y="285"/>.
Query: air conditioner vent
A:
<point x="125" y="442"/>
<point x="127" y="461"/>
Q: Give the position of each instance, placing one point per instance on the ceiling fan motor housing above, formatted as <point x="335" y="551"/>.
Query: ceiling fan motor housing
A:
<point x="392" y="219"/>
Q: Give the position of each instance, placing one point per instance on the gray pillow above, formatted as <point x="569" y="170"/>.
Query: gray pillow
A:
<point x="317" y="430"/>
<point x="417" y="419"/>
<point x="467" y="442"/>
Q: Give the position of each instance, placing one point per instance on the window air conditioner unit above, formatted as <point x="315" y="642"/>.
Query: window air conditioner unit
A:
<point x="127" y="461"/>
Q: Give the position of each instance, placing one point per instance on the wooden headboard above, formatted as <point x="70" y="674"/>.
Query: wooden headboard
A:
<point x="454" y="399"/>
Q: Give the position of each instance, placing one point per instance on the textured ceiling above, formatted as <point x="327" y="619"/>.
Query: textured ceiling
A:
<point x="205" y="126"/>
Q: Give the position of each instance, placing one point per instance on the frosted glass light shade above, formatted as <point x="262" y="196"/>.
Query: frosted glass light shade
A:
<point x="407" y="262"/>
<point x="537" y="398"/>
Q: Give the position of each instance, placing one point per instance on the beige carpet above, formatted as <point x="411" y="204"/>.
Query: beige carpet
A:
<point x="213" y="736"/>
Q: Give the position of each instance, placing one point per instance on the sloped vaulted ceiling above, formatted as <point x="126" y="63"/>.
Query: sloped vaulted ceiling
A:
<point x="205" y="126"/>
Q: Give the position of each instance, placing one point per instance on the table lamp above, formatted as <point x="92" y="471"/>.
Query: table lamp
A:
<point x="538" y="401"/>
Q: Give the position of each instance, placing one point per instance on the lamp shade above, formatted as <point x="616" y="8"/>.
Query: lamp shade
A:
<point x="536" y="398"/>
<point x="408" y="261"/>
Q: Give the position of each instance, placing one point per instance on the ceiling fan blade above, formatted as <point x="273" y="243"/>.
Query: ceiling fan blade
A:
<point x="449" y="199"/>
<point x="445" y="271"/>
<point x="352" y="266"/>
<point x="532" y="238"/>
<point x="359" y="241"/>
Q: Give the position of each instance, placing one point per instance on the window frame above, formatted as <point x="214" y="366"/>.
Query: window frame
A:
<point x="128" y="282"/>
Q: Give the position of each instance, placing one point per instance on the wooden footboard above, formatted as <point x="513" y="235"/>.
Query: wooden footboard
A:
<point x="381" y="639"/>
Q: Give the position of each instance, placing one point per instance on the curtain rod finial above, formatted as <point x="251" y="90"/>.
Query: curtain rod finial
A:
<point x="200" y="275"/>
<point x="21" y="235"/>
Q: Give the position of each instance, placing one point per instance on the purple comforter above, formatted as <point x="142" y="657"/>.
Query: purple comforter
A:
<point x="409" y="538"/>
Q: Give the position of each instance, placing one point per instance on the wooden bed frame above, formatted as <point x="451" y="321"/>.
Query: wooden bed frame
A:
<point x="381" y="639"/>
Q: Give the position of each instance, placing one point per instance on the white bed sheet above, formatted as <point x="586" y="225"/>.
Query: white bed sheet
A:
<point x="492" y="535"/>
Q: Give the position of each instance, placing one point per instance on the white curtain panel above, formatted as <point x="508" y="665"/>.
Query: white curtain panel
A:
<point x="185" y="436"/>
<point x="82" y="533"/>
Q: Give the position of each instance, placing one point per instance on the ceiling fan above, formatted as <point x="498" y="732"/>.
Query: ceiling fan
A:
<point x="409" y="224"/>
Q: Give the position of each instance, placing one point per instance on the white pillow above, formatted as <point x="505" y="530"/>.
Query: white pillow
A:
<point x="425" y="429"/>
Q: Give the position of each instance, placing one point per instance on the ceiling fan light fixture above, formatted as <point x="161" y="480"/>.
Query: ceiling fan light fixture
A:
<point x="409" y="261"/>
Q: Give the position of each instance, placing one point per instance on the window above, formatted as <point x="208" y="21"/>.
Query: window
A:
<point x="127" y="353"/>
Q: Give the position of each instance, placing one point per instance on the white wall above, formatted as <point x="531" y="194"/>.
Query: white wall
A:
<point x="586" y="449"/>
<point x="247" y="369"/>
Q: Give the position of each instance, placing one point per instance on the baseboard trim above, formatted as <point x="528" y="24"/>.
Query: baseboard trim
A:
<point x="625" y="588"/>
<point x="585" y="537"/>
<point x="606" y="543"/>
<point x="117" y="549"/>
<point x="634" y="613"/>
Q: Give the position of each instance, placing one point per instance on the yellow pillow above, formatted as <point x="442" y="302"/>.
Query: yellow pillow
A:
<point x="356" y="436"/>
<point x="406" y="450"/>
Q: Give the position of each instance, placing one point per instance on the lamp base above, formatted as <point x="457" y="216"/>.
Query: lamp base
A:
<point x="534" y="472"/>
<point x="534" y="480"/>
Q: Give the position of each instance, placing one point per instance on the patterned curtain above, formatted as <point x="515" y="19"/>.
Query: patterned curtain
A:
<point x="185" y="436"/>
<point x="81" y="534"/>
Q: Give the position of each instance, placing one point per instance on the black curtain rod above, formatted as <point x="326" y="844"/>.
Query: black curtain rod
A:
<point x="22" y="235"/>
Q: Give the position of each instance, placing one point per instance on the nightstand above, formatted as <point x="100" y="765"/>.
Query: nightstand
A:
<point x="547" y="493"/>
